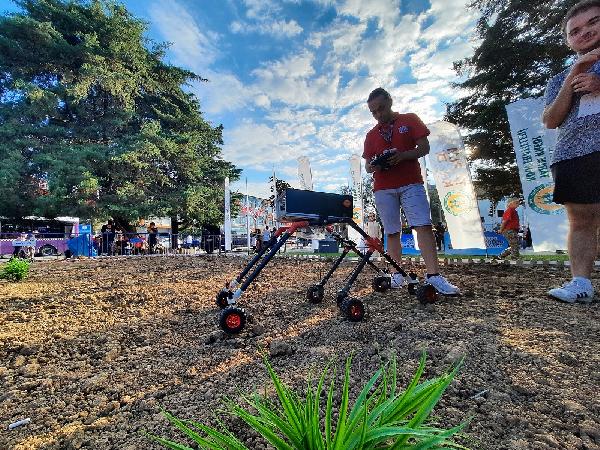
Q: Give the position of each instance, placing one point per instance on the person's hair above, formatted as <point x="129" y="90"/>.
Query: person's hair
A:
<point x="578" y="8"/>
<point x="152" y="223"/>
<point x="379" y="92"/>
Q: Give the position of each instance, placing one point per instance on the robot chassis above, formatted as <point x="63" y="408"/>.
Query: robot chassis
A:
<point x="232" y="318"/>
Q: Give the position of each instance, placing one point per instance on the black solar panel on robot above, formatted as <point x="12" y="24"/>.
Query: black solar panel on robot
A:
<point x="308" y="209"/>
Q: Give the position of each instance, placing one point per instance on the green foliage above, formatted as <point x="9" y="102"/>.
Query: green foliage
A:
<point x="382" y="416"/>
<point x="280" y="186"/>
<point x="94" y="124"/>
<point x="16" y="269"/>
<point x="520" y="47"/>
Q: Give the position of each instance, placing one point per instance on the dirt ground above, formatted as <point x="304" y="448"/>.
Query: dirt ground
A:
<point x="90" y="349"/>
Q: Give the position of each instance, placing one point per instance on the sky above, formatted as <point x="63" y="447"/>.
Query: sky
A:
<point x="290" y="78"/>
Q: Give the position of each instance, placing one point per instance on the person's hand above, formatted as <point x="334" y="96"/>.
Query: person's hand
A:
<point x="370" y="168"/>
<point x="584" y="62"/>
<point x="396" y="157"/>
<point x="586" y="82"/>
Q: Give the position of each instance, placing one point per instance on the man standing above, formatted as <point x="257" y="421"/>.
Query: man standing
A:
<point x="108" y="237"/>
<point x="266" y="235"/>
<point x="440" y="236"/>
<point x="510" y="228"/>
<point x="573" y="106"/>
<point x="152" y="237"/>
<point x="392" y="149"/>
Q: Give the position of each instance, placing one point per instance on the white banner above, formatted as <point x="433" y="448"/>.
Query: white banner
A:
<point x="448" y="163"/>
<point x="227" y="225"/>
<point x="248" y="243"/>
<point x="358" y="213"/>
<point x="534" y="144"/>
<point x="304" y="173"/>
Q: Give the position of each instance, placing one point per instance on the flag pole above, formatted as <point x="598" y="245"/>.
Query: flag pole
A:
<point x="247" y="218"/>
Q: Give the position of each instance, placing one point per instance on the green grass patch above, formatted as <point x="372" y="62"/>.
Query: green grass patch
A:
<point x="382" y="416"/>
<point x="16" y="269"/>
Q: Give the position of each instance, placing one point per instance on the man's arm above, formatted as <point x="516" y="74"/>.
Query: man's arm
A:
<point x="556" y="112"/>
<point x="422" y="149"/>
<point x="576" y="81"/>
<point x="501" y="230"/>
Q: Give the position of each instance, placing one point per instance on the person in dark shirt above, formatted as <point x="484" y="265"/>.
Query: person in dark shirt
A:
<point x="152" y="237"/>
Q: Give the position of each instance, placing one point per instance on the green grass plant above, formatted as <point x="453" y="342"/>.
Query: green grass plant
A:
<point x="16" y="269"/>
<point x="382" y="416"/>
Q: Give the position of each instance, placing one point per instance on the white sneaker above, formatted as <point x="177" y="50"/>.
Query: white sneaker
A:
<point x="397" y="281"/>
<point x="573" y="291"/>
<point x="442" y="285"/>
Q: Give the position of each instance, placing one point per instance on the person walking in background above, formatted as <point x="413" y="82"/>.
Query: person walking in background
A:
<point x="440" y="236"/>
<point x="391" y="151"/>
<point x="259" y="240"/>
<point x="108" y="237"/>
<point x="528" y="239"/>
<point x="266" y="234"/>
<point x="152" y="237"/>
<point x="573" y="106"/>
<point x="509" y="228"/>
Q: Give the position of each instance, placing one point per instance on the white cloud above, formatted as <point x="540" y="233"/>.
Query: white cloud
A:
<point x="224" y="92"/>
<point x="277" y="28"/>
<point x="313" y="100"/>
<point x="257" y="9"/>
<point x="452" y="18"/>
<point x="190" y="46"/>
<point x="260" y="146"/>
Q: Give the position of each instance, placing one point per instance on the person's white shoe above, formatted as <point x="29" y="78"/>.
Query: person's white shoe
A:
<point x="397" y="281"/>
<point x="442" y="285"/>
<point x="573" y="291"/>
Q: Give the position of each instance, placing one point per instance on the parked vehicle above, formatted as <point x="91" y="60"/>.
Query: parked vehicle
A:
<point x="51" y="235"/>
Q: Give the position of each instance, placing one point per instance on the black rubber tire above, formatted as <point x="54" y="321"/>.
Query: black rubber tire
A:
<point x="315" y="294"/>
<point x="48" y="250"/>
<point x="222" y="298"/>
<point x="426" y="294"/>
<point x="353" y="309"/>
<point x="232" y="320"/>
<point x="381" y="283"/>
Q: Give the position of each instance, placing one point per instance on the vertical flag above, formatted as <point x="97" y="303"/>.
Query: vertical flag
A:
<point x="448" y="163"/>
<point x="533" y="145"/>
<point x="358" y="213"/>
<point x="275" y="218"/>
<point x="304" y="173"/>
<point x="247" y="217"/>
<point x="227" y="225"/>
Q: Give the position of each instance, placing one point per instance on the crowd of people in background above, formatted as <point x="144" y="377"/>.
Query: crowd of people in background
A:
<point x="114" y="240"/>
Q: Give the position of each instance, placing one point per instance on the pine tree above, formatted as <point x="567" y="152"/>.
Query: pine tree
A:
<point x="94" y="124"/>
<point x="520" y="47"/>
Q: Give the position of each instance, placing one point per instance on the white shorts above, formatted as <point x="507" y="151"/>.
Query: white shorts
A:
<point x="413" y="201"/>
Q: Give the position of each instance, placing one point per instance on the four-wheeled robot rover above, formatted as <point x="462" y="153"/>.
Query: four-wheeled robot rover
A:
<point x="307" y="209"/>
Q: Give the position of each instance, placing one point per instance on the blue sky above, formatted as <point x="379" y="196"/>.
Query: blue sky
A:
<point x="289" y="78"/>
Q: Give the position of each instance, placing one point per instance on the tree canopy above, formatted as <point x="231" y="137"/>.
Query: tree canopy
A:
<point x="94" y="124"/>
<point x="520" y="46"/>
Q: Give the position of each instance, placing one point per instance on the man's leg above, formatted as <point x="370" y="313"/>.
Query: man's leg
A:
<point x="428" y="249"/>
<point x="394" y="247"/>
<point x="584" y="221"/>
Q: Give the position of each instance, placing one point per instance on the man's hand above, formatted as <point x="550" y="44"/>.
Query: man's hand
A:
<point x="584" y="62"/>
<point x="396" y="157"/>
<point x="586" y="82"/>
<point x="370" y="168"/>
